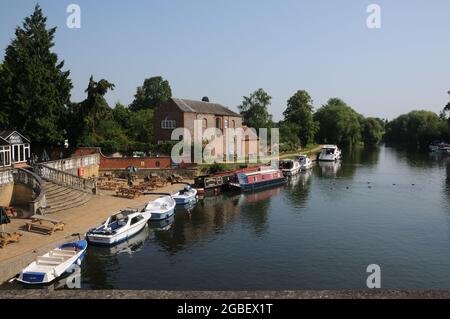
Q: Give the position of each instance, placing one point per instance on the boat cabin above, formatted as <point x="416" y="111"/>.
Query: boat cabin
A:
<point x="286" y="164"/>
<point x="14" y="148"/>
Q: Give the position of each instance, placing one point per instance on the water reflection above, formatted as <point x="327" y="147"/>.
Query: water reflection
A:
<point x="329" y="169"/>
<point x="299" y="187"/>
<point x="210" y="216"/>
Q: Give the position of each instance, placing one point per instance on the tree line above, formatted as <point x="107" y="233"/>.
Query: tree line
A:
<point x="35" y="98"/>
<point x="333" y="123"/>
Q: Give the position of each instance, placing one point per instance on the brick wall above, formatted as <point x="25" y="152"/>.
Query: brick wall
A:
<point x="169" y="111"/>
<point x="139" y="162"/>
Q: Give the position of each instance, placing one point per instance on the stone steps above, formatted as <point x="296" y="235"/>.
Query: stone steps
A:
<point x="60" y="198"/>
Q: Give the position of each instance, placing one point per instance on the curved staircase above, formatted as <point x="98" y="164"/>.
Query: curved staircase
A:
<point x="60" y="198"/>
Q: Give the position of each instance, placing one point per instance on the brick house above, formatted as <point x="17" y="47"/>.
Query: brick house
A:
<point x="177" y="113"/>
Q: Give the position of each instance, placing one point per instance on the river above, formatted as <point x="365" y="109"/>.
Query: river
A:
<point x="383" y="206"/>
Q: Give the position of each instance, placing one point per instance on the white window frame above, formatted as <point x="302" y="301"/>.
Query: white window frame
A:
<point x="168" y="124"/>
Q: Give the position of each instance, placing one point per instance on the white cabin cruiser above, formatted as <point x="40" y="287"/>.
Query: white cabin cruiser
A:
<point x="330" y="153"/>
<point x="305" y="162"/>
<point x="54" y="264"/>
<point x="289" y="167"/>
<point x="119" y="227"/>
<point x="161" y="208"/>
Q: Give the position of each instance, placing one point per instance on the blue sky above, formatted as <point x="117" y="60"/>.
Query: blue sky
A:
<point x="227" y="49"/>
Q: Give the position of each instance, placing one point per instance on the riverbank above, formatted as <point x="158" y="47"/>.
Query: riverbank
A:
<point x="14" y="257"/>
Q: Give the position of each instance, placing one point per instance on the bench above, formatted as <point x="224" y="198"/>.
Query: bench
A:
<point x="128" y="192"/>
<point x="7" y="238"/>
<point x="37" y="223"/>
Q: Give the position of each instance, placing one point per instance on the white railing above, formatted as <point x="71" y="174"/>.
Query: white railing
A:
<point x="71" y="164"/>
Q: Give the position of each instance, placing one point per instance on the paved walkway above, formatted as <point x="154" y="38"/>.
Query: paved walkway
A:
<point x="78" y="220"/>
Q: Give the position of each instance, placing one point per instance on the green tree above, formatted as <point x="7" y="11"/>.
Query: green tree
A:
<point x="417" y="128"/>
<point x="289" y="139"/>
<point x="154" y="92"/>
<point x="371" y="131"/>
<point x="338" y="123"/>
<point x="94" y="123"/>
<point x="254" y="110"/>
<point x="300" y="111"/>
<point x="34" y="89"/>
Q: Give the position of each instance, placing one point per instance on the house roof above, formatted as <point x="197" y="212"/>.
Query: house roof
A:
<point x="3" y="141"/>
<point x="6" y="134"/>
<point x="203" y="107"/>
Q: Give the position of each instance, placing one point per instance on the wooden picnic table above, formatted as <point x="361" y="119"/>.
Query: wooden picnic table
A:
<point x="37" y="222"/>
<point x="8" y="238"/>
<point x="128" y="192"/>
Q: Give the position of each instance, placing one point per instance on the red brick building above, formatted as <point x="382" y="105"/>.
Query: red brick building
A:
<point x="177" y="113"/>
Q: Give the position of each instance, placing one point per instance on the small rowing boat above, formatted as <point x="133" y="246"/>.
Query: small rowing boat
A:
<point x="54" y="264"/>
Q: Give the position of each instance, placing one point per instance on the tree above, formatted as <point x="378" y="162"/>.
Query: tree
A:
<point x="289" y="139"/>
<point x="254" y="110"/>
<point x="371" y="131"/>
<point x="417" y="128"/>
<point x="93" y="122"/>
<point x="338" y="123"/>
<point x="154" y="92"/>
<point x="300" y="111"/>
<point x="34" y="89"/>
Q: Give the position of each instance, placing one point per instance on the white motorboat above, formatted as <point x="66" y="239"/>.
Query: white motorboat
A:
<point x="185" y="196"/>
<point x="161" y="208"/>
<point x="330" y="153"/>
<point x="289" y="167"/>
<point x="54" y="264"/>
<point x="119" y="227"/>
<point x="305" y="162"/>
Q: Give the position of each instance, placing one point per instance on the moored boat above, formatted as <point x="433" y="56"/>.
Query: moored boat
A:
<point x="330" y="153"/>
<point x="305" y="162"/>
<point x="289" y="167"/>
<point x="185" y="196"/>
<point x="265" y="177"/>
<point x="54" y="264"/>
<point x="161" y="208"/>
<point x="119" y="227"/>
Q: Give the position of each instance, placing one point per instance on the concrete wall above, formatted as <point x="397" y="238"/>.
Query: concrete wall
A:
<point x="6" y="194"/>
<point x="22" y="195"/>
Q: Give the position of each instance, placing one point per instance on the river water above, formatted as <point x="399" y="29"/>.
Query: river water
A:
<point x="383" y="206"/>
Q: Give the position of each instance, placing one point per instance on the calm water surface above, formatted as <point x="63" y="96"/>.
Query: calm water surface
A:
<point x="384" y="206"/>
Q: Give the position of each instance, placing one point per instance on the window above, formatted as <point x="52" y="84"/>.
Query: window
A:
<point x="158" y="164"/>
<point x="226" y="124"/>
<point x="135" y="220"/>
<point x="5" y="153"/>
<point x="218" y="123"/>
<point x="233" y="124"/>
<point x="205" y="124"/>
<point x="168" y="124"/>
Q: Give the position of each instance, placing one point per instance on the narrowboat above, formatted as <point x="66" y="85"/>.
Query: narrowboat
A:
<point x="265" y="177"/>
